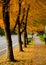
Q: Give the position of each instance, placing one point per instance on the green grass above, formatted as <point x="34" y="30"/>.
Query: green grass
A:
<point x="42" y="37"/>
<point x="30" y="41"/>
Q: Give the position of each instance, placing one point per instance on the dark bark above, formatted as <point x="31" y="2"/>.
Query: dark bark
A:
<point x="24" y="27"/>
<point x="22" y="30"/>
<point x="14" y="27"/>
<point x="18" y="23"/>
<point x="19" y="38"/>
<point x="26" y="24"/>
<point x="6" y="21"/>
<point x="25" y="37"/>
<point x="23" y="17"/>
<point x="19" y="33"/>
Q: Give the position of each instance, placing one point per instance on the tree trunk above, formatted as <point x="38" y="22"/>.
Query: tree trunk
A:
<point x="19" y="37"/>
<point x="10" y="56"/>
<point x="19" y="33"/>
<point x="25" y="37"/>
<point x="26" y="23"/>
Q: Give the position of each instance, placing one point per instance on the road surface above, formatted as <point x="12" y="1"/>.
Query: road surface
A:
<point x="3" y="45"/>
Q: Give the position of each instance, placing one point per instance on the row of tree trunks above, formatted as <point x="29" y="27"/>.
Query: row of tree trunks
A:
<point x="21" y="25"/>
<point x="6" y="21"/>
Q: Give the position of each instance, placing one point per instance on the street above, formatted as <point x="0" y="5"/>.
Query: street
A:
<point x="3" y="45"/>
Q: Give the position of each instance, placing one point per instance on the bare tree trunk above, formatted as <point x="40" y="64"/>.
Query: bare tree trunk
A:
<point x="10" y="56"/>
<point x="19" y="38"/>
<point x="25" y="37"/>
<point x="26" y="24"/>
<point x="19" y="33"/>
<point x="26" y="34"/>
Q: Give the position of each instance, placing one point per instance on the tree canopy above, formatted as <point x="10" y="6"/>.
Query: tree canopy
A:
<point x="37" y="13"/>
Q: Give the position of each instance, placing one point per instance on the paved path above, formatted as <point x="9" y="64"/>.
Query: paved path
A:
<point x="39" y="57"/>
<point x="32" y="55"/>
<point x="37" y="40"/>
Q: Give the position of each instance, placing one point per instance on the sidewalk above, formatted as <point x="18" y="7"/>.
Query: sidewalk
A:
<point x="32" y="55"/>
<point x="37" y="40"/>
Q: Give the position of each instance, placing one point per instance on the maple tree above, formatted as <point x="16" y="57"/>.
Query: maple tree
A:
<point x="6" y="21"/>
<point x="34" y="19"/>
<point x="37" y="12"/>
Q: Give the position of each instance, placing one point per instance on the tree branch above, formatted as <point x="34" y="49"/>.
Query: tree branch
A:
<point x="14" y="27"/>
<point x="22" y="30"/>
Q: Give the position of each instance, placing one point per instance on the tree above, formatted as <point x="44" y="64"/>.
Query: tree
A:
<point x="6" y="20"/>
<point x="19" y="33"/>
<point x="23" y="27"/>
<point x="25" y="31"/>
<point x="18" y="23"/>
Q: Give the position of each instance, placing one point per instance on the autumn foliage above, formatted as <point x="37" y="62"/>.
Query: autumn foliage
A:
<point x="1" y="24"/>
<point x="37" y="12"/>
